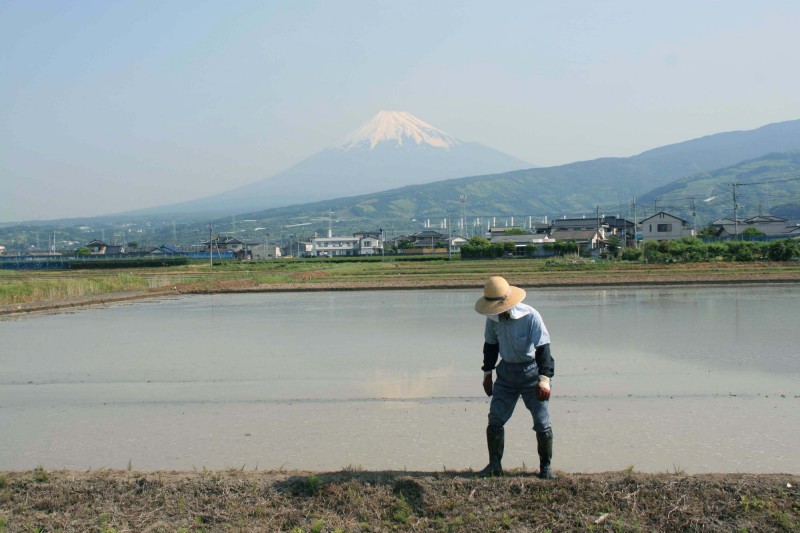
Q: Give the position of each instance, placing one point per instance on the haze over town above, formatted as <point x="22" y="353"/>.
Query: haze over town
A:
<point x="110" y="107"/>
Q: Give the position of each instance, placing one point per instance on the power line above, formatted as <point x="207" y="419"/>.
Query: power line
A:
<point x="766" y="182"/>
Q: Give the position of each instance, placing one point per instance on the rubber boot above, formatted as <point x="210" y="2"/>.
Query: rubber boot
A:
<point x="495" y="440"/>
<point x="544" y="443"/>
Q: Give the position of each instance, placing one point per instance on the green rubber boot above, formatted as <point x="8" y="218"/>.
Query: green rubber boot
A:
<point x="495" y="441"/>
<point x="544" y="443"/>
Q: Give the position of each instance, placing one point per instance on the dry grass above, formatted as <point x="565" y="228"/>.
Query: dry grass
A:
<point x="353" y="500"/>
<point x="33" y="289"/>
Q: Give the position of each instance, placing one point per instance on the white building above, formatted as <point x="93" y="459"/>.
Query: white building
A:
<point x="334" y="246"/>
<point x="361" y="243"/>
<point x="664" y="227"/>
<point x="370" y="242"/>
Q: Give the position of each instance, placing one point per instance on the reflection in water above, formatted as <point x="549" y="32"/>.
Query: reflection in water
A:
<point x="392" y="380"/>
<point x="409" y="384"/>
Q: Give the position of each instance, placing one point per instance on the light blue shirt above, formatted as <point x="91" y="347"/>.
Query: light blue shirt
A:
<point x="518" y="336"/>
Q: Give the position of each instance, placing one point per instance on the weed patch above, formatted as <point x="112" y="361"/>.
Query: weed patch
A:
<point x="115" y="501"/>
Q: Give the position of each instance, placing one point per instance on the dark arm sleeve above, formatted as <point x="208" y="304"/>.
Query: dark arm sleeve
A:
<point x="547" y="367"/>
<point x="490" y="353"/>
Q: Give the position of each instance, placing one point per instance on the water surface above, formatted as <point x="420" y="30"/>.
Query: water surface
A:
<point x="701" y="379"/>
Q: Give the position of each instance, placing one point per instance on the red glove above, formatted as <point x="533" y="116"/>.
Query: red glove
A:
<point x="543" y="389"/>
<point x="487" y="384"/>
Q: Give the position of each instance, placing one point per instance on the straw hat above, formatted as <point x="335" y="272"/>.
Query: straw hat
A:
<point x="498" y="296"/>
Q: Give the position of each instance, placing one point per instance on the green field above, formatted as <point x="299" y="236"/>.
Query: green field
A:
<point x="22" y="287"/>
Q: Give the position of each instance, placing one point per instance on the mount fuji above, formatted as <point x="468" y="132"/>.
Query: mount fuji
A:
<point x="392" y="150"/>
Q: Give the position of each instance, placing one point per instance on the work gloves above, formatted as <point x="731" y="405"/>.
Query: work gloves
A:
<point x="487" y="383"/>
<point x="543" y="389"/>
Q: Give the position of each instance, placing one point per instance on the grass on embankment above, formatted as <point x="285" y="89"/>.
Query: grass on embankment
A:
<point x="17" y="287"/>
<point x="33" y="288"/>
<point x="354" y="500"/>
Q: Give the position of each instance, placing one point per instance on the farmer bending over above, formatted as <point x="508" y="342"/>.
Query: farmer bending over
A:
<point x="515" y="331"/>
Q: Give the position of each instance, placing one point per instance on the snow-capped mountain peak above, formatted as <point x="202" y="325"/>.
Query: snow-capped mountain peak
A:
<point x="397" y="127"/>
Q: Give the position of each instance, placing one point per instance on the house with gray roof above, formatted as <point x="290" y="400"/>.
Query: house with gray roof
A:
<point x="588" y="240"/>
<point x="97" y="247"/>
<point x="771" y="226"/>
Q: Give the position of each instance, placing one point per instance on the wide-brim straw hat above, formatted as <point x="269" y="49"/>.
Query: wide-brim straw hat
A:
<point x="498" y="297"/>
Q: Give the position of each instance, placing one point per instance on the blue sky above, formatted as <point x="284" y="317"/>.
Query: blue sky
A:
<point x="110" y="106"/>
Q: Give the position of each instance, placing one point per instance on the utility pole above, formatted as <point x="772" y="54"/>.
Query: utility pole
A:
<point x="211" y="244"/>
<point x="635" y="223"/>
<point x="463" y="200"/>
<point x="735" y="211"/>
<point x="597" y="217"/>
<point x="450" y="241"/>
<point x="694" y="219"/>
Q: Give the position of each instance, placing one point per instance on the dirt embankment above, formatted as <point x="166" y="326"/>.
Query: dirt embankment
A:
<point x="116" y="501"/>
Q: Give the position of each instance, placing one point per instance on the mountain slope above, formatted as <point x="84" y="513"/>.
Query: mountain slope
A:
<point x="766" y="185"/>
<point x="391" y="150"/>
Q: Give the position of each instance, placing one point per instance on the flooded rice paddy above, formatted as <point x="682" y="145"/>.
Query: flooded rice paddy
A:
<point x="661" y="379"/>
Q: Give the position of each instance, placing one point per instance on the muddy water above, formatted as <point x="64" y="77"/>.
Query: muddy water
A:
<point x="699" y="380"/>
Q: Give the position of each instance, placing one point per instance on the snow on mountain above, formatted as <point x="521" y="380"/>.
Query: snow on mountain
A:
<point x="396" y="127"/>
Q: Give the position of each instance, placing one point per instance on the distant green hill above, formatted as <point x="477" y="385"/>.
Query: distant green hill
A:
<point x="768" y="185"/>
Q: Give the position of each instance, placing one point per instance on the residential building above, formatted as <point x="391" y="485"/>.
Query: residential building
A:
<point x="578" y="224"/>
<point x="771" y="226"/>
<point x="361" y="243"/>
<point x="97" y="247"/>
<point x="334" y="246"/>
<point x="39" y="255"/>
<point x="588" y="240"/>
<point x="620" y="227"/>
<point x="305" y="249"/>
<point x="496" y="231"/>
<point x="223" y="244"/>
<point x="163" y="250"/>
<point x="370" y="242"/>
<point x="540" y="228"/>
<point x="521" y="243"/>
<point x="456" y="243"/>
<point x="664" y="227"/>
<point x="427" y="238"/>
<point x="263" y="251"/>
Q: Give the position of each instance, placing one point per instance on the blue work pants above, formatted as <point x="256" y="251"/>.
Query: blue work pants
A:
<point x="515" y="380"/>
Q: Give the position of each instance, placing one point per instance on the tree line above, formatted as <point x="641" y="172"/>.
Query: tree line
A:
<point x="481" y="248"/>
<point x="692" y="249"/>
<point x="688" y="249"/>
